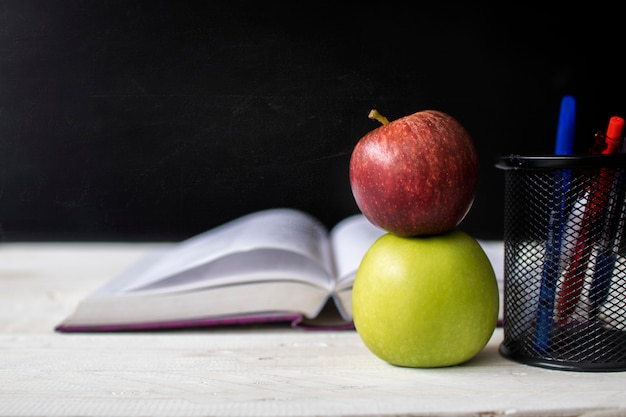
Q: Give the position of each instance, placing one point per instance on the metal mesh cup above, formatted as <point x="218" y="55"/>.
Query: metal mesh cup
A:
<point x="565" y="261"/>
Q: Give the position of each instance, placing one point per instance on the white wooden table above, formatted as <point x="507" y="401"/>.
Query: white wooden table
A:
<point x="239" y="372"/>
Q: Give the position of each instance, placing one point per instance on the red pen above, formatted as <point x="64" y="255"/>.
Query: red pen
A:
<point x="598" y="191"/>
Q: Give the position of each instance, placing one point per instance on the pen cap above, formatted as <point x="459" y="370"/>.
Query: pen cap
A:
<point x="565" y="130"/>
<point x="613" y="135"/>
<point x="564" y="304"/>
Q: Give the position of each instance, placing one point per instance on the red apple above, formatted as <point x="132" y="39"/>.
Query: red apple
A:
<point x="416" y="175"/>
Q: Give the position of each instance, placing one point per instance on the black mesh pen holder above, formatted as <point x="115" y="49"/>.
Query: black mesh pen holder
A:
<point x="565" y="261"/>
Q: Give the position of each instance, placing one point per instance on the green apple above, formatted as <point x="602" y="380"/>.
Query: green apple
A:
<point x="425" y="301"/>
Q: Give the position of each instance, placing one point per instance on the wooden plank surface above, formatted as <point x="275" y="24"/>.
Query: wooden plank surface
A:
<point x="239" y="372"/>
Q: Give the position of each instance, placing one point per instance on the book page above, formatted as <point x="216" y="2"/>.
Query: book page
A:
<point x="263" y="300"/>
<point x="350" y="239"/>
<point x="281" y="229"/>
<point x="257" y="265"/>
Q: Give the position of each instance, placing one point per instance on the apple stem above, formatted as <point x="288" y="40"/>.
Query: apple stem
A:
<point x="374" y="115"/>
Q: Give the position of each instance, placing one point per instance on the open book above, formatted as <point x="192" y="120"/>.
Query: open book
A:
<point x="275" y="265"/>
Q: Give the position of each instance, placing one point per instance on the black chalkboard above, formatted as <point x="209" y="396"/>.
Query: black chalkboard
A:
<point x="155" y="120"/>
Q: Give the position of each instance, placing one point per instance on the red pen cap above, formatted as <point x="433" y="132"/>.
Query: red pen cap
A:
<point x="614" y="135"/>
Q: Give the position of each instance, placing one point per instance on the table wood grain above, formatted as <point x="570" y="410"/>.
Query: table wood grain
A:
<point x="248" y="371"/>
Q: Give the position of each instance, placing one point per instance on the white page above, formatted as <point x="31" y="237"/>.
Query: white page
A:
<point x="284" y="229"/>
<point x="350" y="239"/>
<point x="258" y="265"/>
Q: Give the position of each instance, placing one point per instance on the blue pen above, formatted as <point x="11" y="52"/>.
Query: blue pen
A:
<point x="551" y="264"/>
<point x="565" y="132"/>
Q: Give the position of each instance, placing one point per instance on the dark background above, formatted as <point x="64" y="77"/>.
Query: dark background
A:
<point x="155" y="120"/>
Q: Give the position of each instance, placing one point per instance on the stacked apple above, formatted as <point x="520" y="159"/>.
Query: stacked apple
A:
<point x="425" y="294"/>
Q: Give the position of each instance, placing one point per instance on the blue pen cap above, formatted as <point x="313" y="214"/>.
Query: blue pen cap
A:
<point x="565" y="131"/>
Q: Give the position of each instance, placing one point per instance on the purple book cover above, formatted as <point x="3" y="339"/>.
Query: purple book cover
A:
<point x="295" y="320"/>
